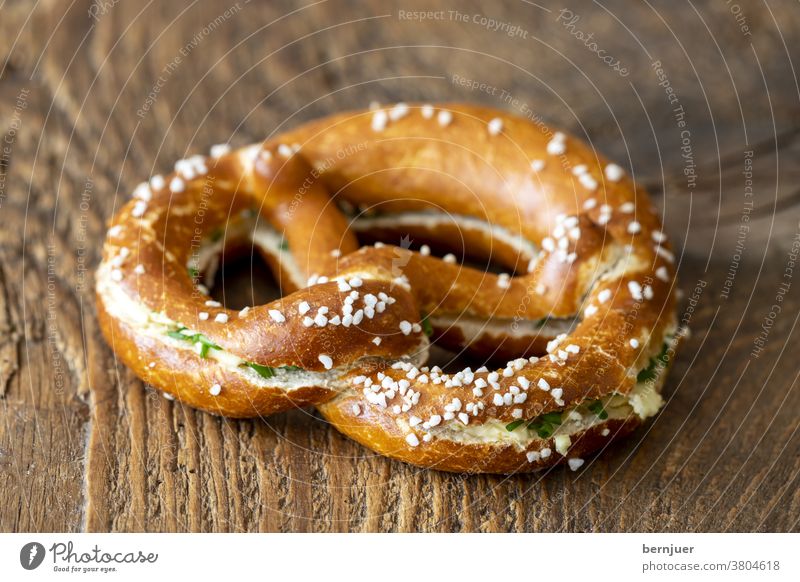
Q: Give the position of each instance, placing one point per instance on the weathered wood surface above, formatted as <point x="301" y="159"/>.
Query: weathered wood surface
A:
<point x="84" y="445"/>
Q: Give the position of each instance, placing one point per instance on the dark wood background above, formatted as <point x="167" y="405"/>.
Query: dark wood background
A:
<point x="85" y="446"/>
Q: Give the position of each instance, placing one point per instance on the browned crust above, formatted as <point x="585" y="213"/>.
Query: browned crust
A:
<point x="412" y="164"/>
<point x="446" y="455"/>
<point x="373" y="428"/>
<point x="186" y="376"/>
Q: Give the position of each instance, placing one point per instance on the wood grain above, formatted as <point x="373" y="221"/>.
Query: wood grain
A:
<point x="85" y="446"/>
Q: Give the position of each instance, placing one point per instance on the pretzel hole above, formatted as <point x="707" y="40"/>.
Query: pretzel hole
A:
<point x="451" y="362"/>
<point x="452" y="359"/>
<point x="241" y="275"/>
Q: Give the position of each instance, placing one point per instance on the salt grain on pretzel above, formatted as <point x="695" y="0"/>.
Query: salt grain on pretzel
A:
<point x="583" y="314"/>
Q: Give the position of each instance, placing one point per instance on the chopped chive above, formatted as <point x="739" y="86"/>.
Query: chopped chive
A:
<point x="194" y="273"/>
<point x="542" y="322"/>
<point x="653" y="369"/>
<point x="269" y="371"/>
<point x="426" y="326"/>
<point x="552" y="417"/>
<point x="263" y="371"/>
<point x="205" y="343"/>
<point x="542" y="429"/>
<point x="216" y="234"/>
<point x="284" y="246"/>
<point x="546" y="424"/>
<point x="513" y="425"/>
<point x="597" y="408"/>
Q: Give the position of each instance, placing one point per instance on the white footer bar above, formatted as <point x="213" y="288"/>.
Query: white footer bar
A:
<point x="382" y="557"/>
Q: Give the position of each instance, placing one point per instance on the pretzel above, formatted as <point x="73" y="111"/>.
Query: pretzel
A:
<point x="584" y="314"/>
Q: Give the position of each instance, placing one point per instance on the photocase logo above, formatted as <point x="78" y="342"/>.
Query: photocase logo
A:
<point x="31" y="555"/>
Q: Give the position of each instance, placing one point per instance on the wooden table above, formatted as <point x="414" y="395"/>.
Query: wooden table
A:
<point x="96" y="97"/>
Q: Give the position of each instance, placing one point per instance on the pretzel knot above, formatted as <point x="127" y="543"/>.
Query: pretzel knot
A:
<point x="584" y="313"/>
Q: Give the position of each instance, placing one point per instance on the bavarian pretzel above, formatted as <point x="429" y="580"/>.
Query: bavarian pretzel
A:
<point x="584" y="314"/>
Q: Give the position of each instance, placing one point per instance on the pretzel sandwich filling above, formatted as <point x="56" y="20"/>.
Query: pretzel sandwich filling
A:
<point x="642" y="400"/>
<point x="580" y="301"/>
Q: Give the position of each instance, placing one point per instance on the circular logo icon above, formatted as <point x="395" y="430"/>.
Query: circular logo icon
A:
<point x="31" y="555"/>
